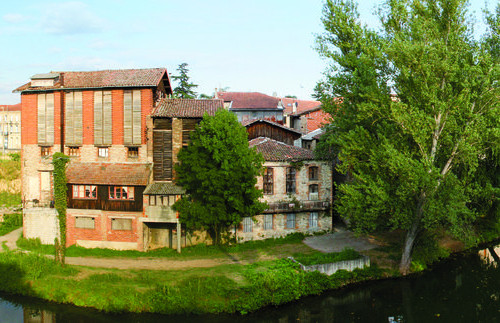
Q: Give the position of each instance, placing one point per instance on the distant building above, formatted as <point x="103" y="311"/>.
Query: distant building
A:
<point x="252" y="105"/>
<point x="10" y="128"/>
<point x="303" y="115"/>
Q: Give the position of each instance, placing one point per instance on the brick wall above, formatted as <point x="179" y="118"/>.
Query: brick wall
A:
<point x="316" y="120"/>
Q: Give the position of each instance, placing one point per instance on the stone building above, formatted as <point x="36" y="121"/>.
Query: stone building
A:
<point x="252" y="105"/>
<point x="297" y="188"/>
<point x="10" y="128"/>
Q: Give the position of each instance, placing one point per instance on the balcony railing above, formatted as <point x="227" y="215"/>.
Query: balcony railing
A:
<point x="276" y="207"/>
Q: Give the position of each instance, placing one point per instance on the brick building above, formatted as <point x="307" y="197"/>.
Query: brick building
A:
<point x="303" y="115"/>
<point x="297" y="189"/>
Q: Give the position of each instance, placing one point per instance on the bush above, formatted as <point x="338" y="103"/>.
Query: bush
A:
<point x="10" y="223"/>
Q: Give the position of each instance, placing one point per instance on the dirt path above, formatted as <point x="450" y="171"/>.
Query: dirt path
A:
<point x="11" y="238"/>
<point x="339" y="240"/>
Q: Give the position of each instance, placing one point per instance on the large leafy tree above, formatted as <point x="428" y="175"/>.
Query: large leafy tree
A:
<point x="218" y="171"/>
<point x="415" y="111"/>
<point x="184" y="88"/>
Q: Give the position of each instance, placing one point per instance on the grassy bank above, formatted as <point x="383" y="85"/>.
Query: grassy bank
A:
<point x="226" y="288"/>
<point x="10" y="223"/>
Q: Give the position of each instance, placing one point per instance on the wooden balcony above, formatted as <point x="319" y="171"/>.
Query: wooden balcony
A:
<point x="302" y="206"/>
<point x="160" y="213"/>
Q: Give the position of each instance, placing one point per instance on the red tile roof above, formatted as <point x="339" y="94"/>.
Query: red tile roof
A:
<point x="132" y="174"/>
<point x="273" y="150"/>
<point x="249" y="100"/>
<point x="302" y="105"/>
<point x="149" y="77"/>
<point x="10" y="107"/>
<point x="186" y="108"/>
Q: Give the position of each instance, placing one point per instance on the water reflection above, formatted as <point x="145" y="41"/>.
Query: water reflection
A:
<point x="463" y="289"/>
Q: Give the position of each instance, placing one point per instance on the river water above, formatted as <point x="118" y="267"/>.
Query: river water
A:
<point x="465" y="288"/>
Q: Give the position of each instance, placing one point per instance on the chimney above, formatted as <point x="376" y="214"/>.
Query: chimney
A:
<point x="294" y="107"/>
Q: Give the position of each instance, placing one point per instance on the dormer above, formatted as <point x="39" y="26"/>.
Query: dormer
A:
<point x="44" y="80"/>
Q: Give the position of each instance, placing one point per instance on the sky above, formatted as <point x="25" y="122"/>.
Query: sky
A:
<point x="259" y="45"/>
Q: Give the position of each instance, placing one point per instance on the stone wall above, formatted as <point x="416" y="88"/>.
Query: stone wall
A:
<point x="41" y="223"/>
<point x="332" y="268"/>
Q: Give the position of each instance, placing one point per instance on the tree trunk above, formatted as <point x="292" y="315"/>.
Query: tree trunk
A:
<point x="411" y="235"/>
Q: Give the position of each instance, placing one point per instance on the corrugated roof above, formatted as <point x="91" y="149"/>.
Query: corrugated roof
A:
<point x="186" y="108"/>
<point x="273" y="150"/>
<point x="250" y="100"/>
<point x="132" y="174"/>
<point x="148" y="77"/>
<point x="163" y="188"/>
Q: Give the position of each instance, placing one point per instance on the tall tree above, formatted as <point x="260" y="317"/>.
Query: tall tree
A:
<point x="218" y="171"/>
<point x="415" y="112"/>
<point x="184" y="89"/>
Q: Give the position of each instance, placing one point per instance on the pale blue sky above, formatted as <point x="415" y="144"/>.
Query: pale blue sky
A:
<point x="256" y="45"/>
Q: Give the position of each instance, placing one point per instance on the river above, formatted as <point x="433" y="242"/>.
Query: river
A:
<point x="465" y="288"/>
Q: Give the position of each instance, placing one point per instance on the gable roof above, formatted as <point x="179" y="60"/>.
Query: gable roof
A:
<point x="302" y="105"/>
<point x="148" y="77"/>
<point x="250" y="100"/>
<point x="249" y="123"/>
<point x="133" y="174"/>
<point x="186" y="108"/>
<point x="273" y="150"/>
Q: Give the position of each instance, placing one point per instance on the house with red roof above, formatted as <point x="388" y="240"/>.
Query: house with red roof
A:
<point x="252" y="105"/>
<point x="122" y="133"/>
<point x="303" y="115"/>
<point x="296" y="186"/>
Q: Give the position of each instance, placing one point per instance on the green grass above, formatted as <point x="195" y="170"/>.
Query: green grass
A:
<point x="10" y="223"/>
<point x="10" y="169"/>
<point x="8" y="199"/>
<point x="326" y="258"/>
<point x="201" y="251"/>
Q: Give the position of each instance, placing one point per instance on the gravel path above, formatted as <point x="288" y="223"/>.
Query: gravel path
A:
<point x="339" y="240"/>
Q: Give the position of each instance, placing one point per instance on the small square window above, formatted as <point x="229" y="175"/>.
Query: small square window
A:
<point x="45" y="151"/>
<point x="152" y="200"/>
<point x="133" y="152"/>
<point x="73" y="151"/>
<point x="103" y="152"/>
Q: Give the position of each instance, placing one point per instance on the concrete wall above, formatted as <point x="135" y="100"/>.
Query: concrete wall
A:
<point x="41" y="223"/>
<point x="332" y="268"/>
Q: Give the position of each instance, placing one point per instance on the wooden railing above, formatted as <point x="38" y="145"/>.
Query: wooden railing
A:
<point x="276" y="207"/>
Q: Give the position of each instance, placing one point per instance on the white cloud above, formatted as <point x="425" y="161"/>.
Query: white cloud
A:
<point x="13" y="18"/>
<point x="69" y="18"/>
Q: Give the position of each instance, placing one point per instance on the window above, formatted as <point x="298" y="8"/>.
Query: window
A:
<point x="73" y="116"/>
<point x="85" y="192"/>
<point x="102" y="118"/>
<point x="132" y="117"/>
<point x="313" y="173"/>
<point x="45" y="118"/>
<point x="44" y="151"/>
<point x="133" y="152"/>
<point x="121" y="224"/>
<point x="313" y="192"/>
<point x="290" y="180"/>
<point x="247" y="224"/>
<point x="121" y="193"/>
<point x="103" y="152"/>
<point x="152" y="200"/>
<point x="73" y="151"/>
<point x="290" y="221"/>
<point x="268" y="222"/>
<point x="268" y="186"/>
<point x="313" y="220"/>
<point x="83" y="222"/>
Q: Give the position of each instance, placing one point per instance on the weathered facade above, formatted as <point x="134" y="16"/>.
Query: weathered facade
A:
<point x="265" y="128"/>
<point x="10" y="128"/>
<point x="297" y="189"/>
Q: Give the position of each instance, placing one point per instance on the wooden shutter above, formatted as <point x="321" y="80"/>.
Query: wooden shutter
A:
<point x="78" y="118"/>
<point x="162" y="155"/>
<point x="41" y="119"/>
<point x="98" y="118"/>
<point x="136" y="118"/>
<point x="188" y="125"/>
<point x="107" y="118"/>
<point x="49" y="118"/>
<point x="69" y="127"/>
<point x="127" y="117"/>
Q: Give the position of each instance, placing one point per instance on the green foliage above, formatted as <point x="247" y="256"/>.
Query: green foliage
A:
<point x="421" y="159"/>
<point x="218" y="171"/>
<point x="8" y="199"/>
<point x="59" y="160"/>
<point x="326" y="258"/>
<point x="184" y="89"/>
<point x="10" y="169"/>
<point x="15" y="157"/>
<point x="10" y="223"/>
